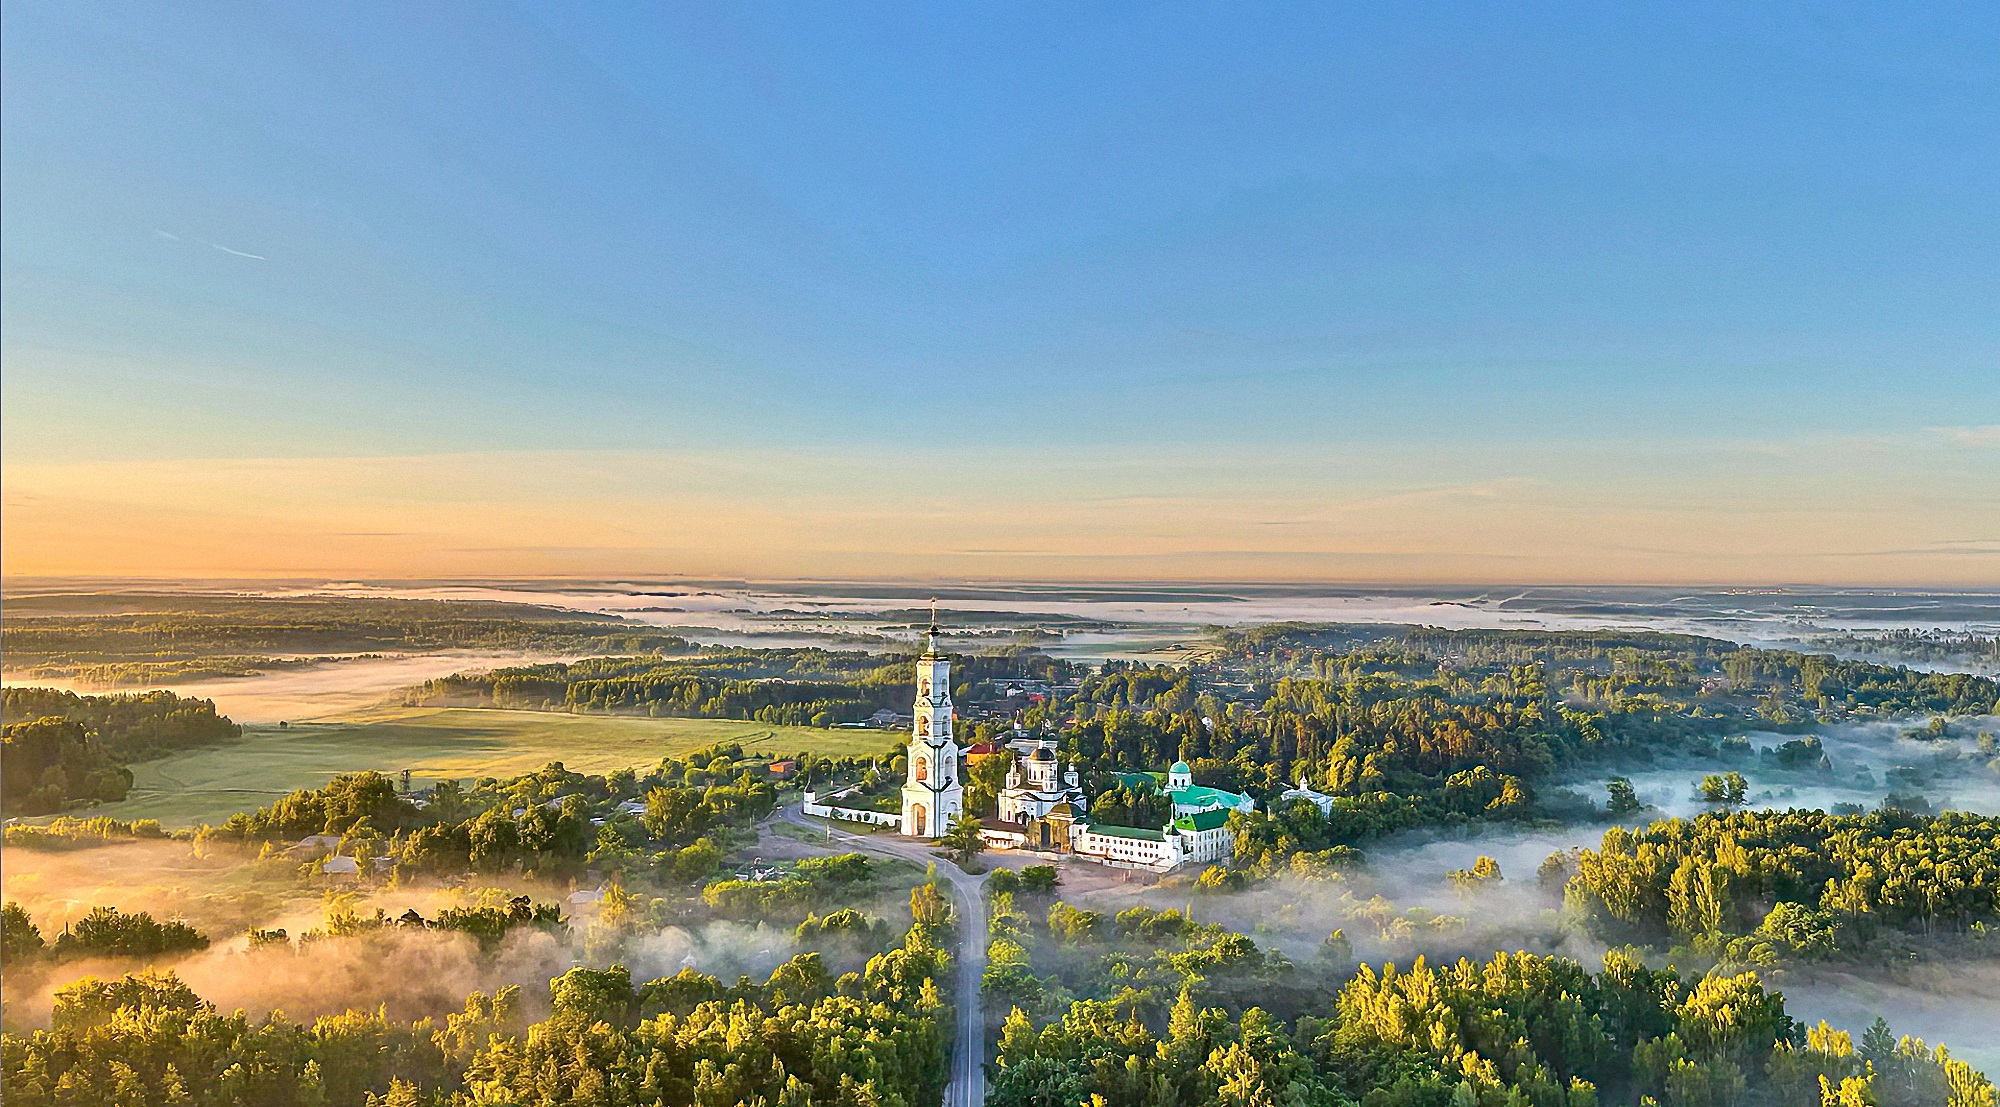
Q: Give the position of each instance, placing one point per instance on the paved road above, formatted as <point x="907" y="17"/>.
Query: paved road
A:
<point x="967" y="1085"/>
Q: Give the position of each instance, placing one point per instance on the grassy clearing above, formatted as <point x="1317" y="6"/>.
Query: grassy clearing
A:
<point x="435" y="743"/>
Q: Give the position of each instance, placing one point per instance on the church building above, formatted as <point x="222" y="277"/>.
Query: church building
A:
<point x="932" y="793"/>
<point x="1037" y="784"/>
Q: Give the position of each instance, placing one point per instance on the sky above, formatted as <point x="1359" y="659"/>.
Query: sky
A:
<point x="1411" y="292"/>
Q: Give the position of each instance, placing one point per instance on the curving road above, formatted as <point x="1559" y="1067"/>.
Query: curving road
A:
<point x="967" y="1084"/>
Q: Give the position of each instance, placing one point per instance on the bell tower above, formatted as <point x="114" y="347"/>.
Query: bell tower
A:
<point x="932" y="794"/>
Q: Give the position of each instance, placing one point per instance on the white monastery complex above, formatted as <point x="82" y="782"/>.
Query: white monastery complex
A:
<point x="1043" y="806"/>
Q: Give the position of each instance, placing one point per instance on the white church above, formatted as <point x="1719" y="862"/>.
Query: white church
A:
<point x="932" y="794"/>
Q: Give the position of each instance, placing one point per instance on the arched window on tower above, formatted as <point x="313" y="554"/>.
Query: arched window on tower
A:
<point x="924" y="690"/>
<point x="923" y="726"/>
<point x="923" y="769"/>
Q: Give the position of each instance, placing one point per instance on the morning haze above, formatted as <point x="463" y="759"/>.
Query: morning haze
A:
<point x="925" y="555"/>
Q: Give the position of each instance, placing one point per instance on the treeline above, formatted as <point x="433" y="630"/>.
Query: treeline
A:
<point x="873" y="1038"/>
<point x="1304" y="642"/>
<point x="1292" y="836"/>
<point x="789" y="687"/>
<point x="129" y="727"/>
<point x="1610" y="664"/>
<point x="104" y="932"/>
<point x="667" y="828"/>
<point x="553" y="822"/>
<point x="1917" y="645"/>
<point x="1831" y="685"/>
<point x="58" y="749"/>
<point x="165" y="627"/>
<point x="1367" y="725"/>
<point x="64" y="832"/>
<point x="1762" y="886"/>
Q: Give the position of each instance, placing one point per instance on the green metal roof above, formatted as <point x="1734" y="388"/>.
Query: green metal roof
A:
<point x="1204" y="820"/>
<point x="1196" y="796"/>
<point x="1139" y="833"/>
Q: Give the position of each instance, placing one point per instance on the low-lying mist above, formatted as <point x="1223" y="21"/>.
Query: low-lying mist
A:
<point x="411" y="971"/>
<point x="1869" y="760"/>
<point x="314" y="691"/>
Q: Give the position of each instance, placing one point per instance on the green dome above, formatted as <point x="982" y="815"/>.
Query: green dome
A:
<point x="1180" y="767"/>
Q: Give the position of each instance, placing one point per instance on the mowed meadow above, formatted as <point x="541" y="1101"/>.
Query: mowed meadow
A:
<point x="208" y="785"/>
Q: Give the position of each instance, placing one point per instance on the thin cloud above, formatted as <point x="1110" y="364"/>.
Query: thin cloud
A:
<point x="239" y="253"/>
<point x="1977" y="438"/>
<point x="166" y="235"/>
<point x="1979" y="547"/>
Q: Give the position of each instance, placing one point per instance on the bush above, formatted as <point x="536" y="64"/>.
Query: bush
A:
<point x="68" y="833"/>
<point x="107" y="932"/>
<point x="1039" y="880"/>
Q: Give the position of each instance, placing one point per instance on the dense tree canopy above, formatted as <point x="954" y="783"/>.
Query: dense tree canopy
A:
<point x="51" y="763"/>
<point x="1783" y="884"/>
<point x="62" y="749"/>
<point x="875" y="1038"/>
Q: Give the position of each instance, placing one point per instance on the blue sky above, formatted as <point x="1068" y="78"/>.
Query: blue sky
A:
<point x="350" y="230"/>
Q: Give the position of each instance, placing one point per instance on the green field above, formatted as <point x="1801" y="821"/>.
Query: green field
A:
<point x="434" y="743"/>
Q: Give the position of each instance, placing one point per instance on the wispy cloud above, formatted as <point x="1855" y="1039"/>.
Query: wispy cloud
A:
<point x="1976" y="438"/>
<point x="1982" y="547"/>
<point x="239" y="253"/>
<point x="170" y="237"/>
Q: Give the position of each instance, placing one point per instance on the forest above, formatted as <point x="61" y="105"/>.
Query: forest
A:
<point x="793" y="687"/>
<point x="1799" y="886"/>
<point x="1413" y="727"/>
<point x="1151" y="1007"/>
<point x="1518" y="1029"/>
<point x="128" y="727"/>
<point x="669" y="825"/>
<point x="1148" y="1007"/>
<point x="872" y="1037"/>
<point x="58" y="749"/>
<point x="135" y="637"/>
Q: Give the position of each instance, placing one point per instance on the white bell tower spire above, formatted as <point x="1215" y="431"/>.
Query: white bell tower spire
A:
<point x="932" y="794"/>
